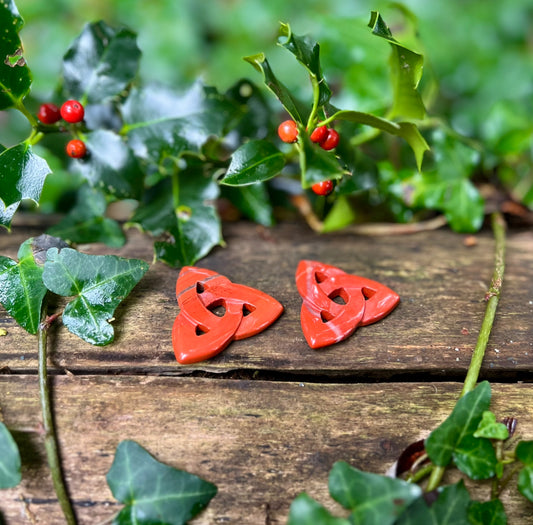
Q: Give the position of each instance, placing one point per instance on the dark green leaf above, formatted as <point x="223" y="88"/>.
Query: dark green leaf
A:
<point x="10" y="475"/>
<point x="110" y="165"/>
<point x="22" y="174"/>
<point x="21" y="288"/>
<point x="487" y="513"/>
<point x="317" y="164"/>
<point x="253" y="201"/>
<point x="373" y="499"/>
<point x="406" y="130"/>
<point x="489" y="428"/>
<point x="307" y="52"/>
<point x="524" y="452"/>
<point x="101" y="62"/>
<point x="98" y="283"/>
<point x="7" y="214"/>
<point x="291" y="105"/>
<point x="460" y="424"/>
<point x="475" y="457"/>
<point x="255" y="161"/>
<point x="86" y="222"/>
<point x="15" y="76"/>
<point x="451" y="508"/>
<point x="525" y="482"/>
<point x="406" y="69"/>
<point x="153" y="492"/>
<point x="306" y="511"/>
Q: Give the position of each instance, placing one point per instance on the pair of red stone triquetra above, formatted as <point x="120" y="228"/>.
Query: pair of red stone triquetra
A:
<point x="214" y="311"/>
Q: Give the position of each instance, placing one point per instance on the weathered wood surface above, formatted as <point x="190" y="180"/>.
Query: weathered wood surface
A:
<point x="441" y="282"/>
<point x="260" y="442"/>
<point x="277" y="429"/>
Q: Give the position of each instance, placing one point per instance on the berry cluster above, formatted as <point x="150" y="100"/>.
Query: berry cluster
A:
<point x="326" y="138"/>
<point x="72" y="112"/>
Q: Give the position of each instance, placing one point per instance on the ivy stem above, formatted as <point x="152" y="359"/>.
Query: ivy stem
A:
<point x="50" y="438"/>
<point x="492" y="297"/>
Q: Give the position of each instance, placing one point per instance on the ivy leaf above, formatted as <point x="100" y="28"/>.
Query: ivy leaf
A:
<point x="373" y="499"/>
<point x="458" y="429"/>
<point x="475" y="457"/>
<point x="10" y="475"/>
<point x="489" y="428"/>
<point x="291" y="105"/>
<point x="253" y="201"/>
<point x="22" y="175"/>
<point x="98" y="283"/>
<point x="524" y="452"/>
<point x="15" y="76"/>
<point x="254" y="161"/>
<point x="317" y="164"/>
<point x="153" y="492"/>
<point x="307" y="52"/>
<point x="451" y="508"/>
<point x="110" y="165"/>
<point x="306" y="511"/>
<point x="21" y="288"/>
<point x="100" y="63"/>
<point x="406" y="70"/>
<point x="86" y="221"/>
<point x="487" y="513"/>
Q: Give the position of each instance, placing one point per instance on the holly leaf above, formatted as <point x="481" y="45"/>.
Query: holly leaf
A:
<point x="317" y="164"/>
<point x="10" y="474"/>
<point x="373" y="499"/>
<point x="253" y="201"/>
<point x="489" y="428"/>
<point x="406" y="71"/>
<point x="306" y="511"/>
<point x="100" y="63"/>
<point x="15" y="76"/>
<point x="21" y="288"/>
<point x="98" y="283"/>
<point x="86" y="221"/>
<point x="454" y="437"/>
<point x="153" y="492"/>
<point x="487" y="513"/>
<point x="307" y="52"/>
<point x="22" y="175"/>
<point x="110" y="165"/>
<point x="294" y="108"/>
<point x="255" y="161"/>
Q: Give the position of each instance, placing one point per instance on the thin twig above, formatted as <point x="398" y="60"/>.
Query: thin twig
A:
<point x="50" y="438"/>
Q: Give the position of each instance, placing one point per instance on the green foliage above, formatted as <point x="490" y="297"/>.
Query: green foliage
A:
<point x="9" y="460"/>
<point x="153" y="492"/>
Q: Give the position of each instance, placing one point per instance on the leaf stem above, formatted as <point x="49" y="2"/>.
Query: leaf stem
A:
<point x="50" y="438"/>
<point x="492" y="297"/>
<point x="22" y="108"/>
<point x="435" y="478"/>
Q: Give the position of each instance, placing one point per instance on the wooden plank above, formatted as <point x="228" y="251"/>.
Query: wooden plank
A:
<point x="260" y="442"/>
<point x="441" y="281"/>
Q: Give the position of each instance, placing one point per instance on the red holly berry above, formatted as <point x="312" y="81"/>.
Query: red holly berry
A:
<point x="72" y="111"/>
<point x="324" y="187"/>
<point x="48" y="113"/>
<point x="288" y="131"/>
<point x="319" y="134"/>
<point x="331" y="141"/>
<point x="76" y="149"/>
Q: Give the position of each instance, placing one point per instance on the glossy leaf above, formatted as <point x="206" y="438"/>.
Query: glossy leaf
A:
<point x="100" y="63"/>
<point x="475" y="457"/>
<point x="255" y="161"/>
<point x="489" y="428"/>
<point x="524" y="452"/>
<point x="307" y="52"/>
<point x="317" y="164"/>
<point x="487" y="513"/>
<point x="406" y="69"/>
<point x="110" y="165"/>
<point x="10" y="474"/>
<point x="406" y="130"/>
<point x="21" y="288"/>
<point x="153" y="492"/>
<point x="450" y="508"/>
<point x="22" y="174"/>
<point x="97" y="283"/>
<point x="15" y="76"/>
<point x="373" y="499"/>
<point x="444" y="441"/>
<point x="7" y="214"/>
<point x="253" y="201"/>
<point x="291" y="105"/>
<point x="306" y="511"/>
<point x="86" y="222"/>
